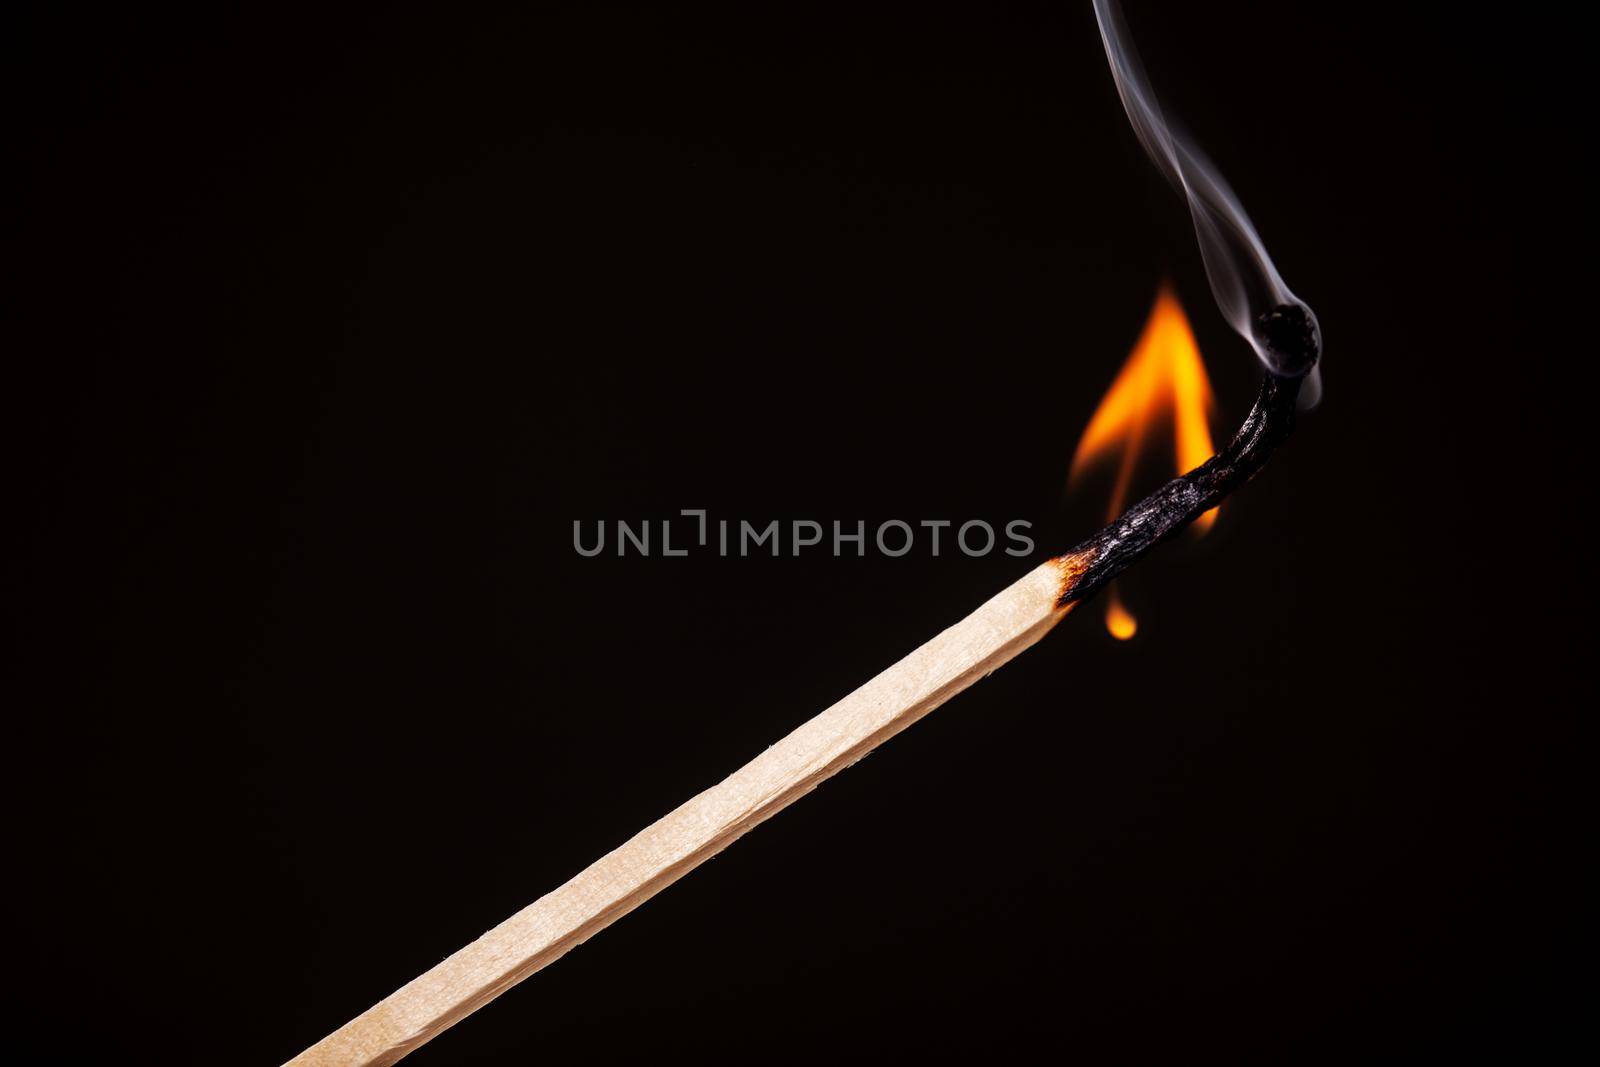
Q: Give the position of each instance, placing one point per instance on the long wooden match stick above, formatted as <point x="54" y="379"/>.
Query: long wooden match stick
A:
<point x="982" y="642"/>
<point x="661" y="854"/>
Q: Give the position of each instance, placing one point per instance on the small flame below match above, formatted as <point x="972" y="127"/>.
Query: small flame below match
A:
<point x="1164" y="379"/>
<point x="1119" y="620"/>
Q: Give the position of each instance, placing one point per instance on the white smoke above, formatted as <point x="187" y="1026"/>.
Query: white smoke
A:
<point x="1244" y="281"/>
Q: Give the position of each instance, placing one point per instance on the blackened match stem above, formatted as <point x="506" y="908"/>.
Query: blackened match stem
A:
<point x="1178" y="503"/>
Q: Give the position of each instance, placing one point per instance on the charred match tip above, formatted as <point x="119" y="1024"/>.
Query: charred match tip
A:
<point x="1289" y="338"/>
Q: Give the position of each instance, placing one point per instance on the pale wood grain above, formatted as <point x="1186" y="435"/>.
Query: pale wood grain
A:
<point x="664" y="852"/>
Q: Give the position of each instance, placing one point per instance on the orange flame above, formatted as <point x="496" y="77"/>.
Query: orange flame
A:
<point x="1163" y="379"/>
<point x="1120" y="622"/>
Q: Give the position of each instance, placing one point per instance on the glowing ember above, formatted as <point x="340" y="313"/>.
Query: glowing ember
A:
<point x="1163" y="381"/>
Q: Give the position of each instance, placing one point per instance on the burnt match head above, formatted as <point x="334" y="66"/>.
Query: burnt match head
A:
<point x="1289" y="338"/>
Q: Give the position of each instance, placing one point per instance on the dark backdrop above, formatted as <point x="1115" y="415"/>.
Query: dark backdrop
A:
<point x="334" y="323"/>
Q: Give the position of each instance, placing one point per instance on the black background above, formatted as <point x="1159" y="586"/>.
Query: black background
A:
<point x="336" y="322"/>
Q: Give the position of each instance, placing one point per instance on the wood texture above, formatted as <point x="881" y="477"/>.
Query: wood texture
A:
<point x="664" y="852"/>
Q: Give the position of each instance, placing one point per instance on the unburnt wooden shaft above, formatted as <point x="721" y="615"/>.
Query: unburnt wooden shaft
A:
<point x="661" y="854"/>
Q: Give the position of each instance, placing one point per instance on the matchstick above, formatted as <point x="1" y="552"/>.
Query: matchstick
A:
<point x="1286" y="337"/>
<point x="987" y="639"/>
<point x="664" y="852"/>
